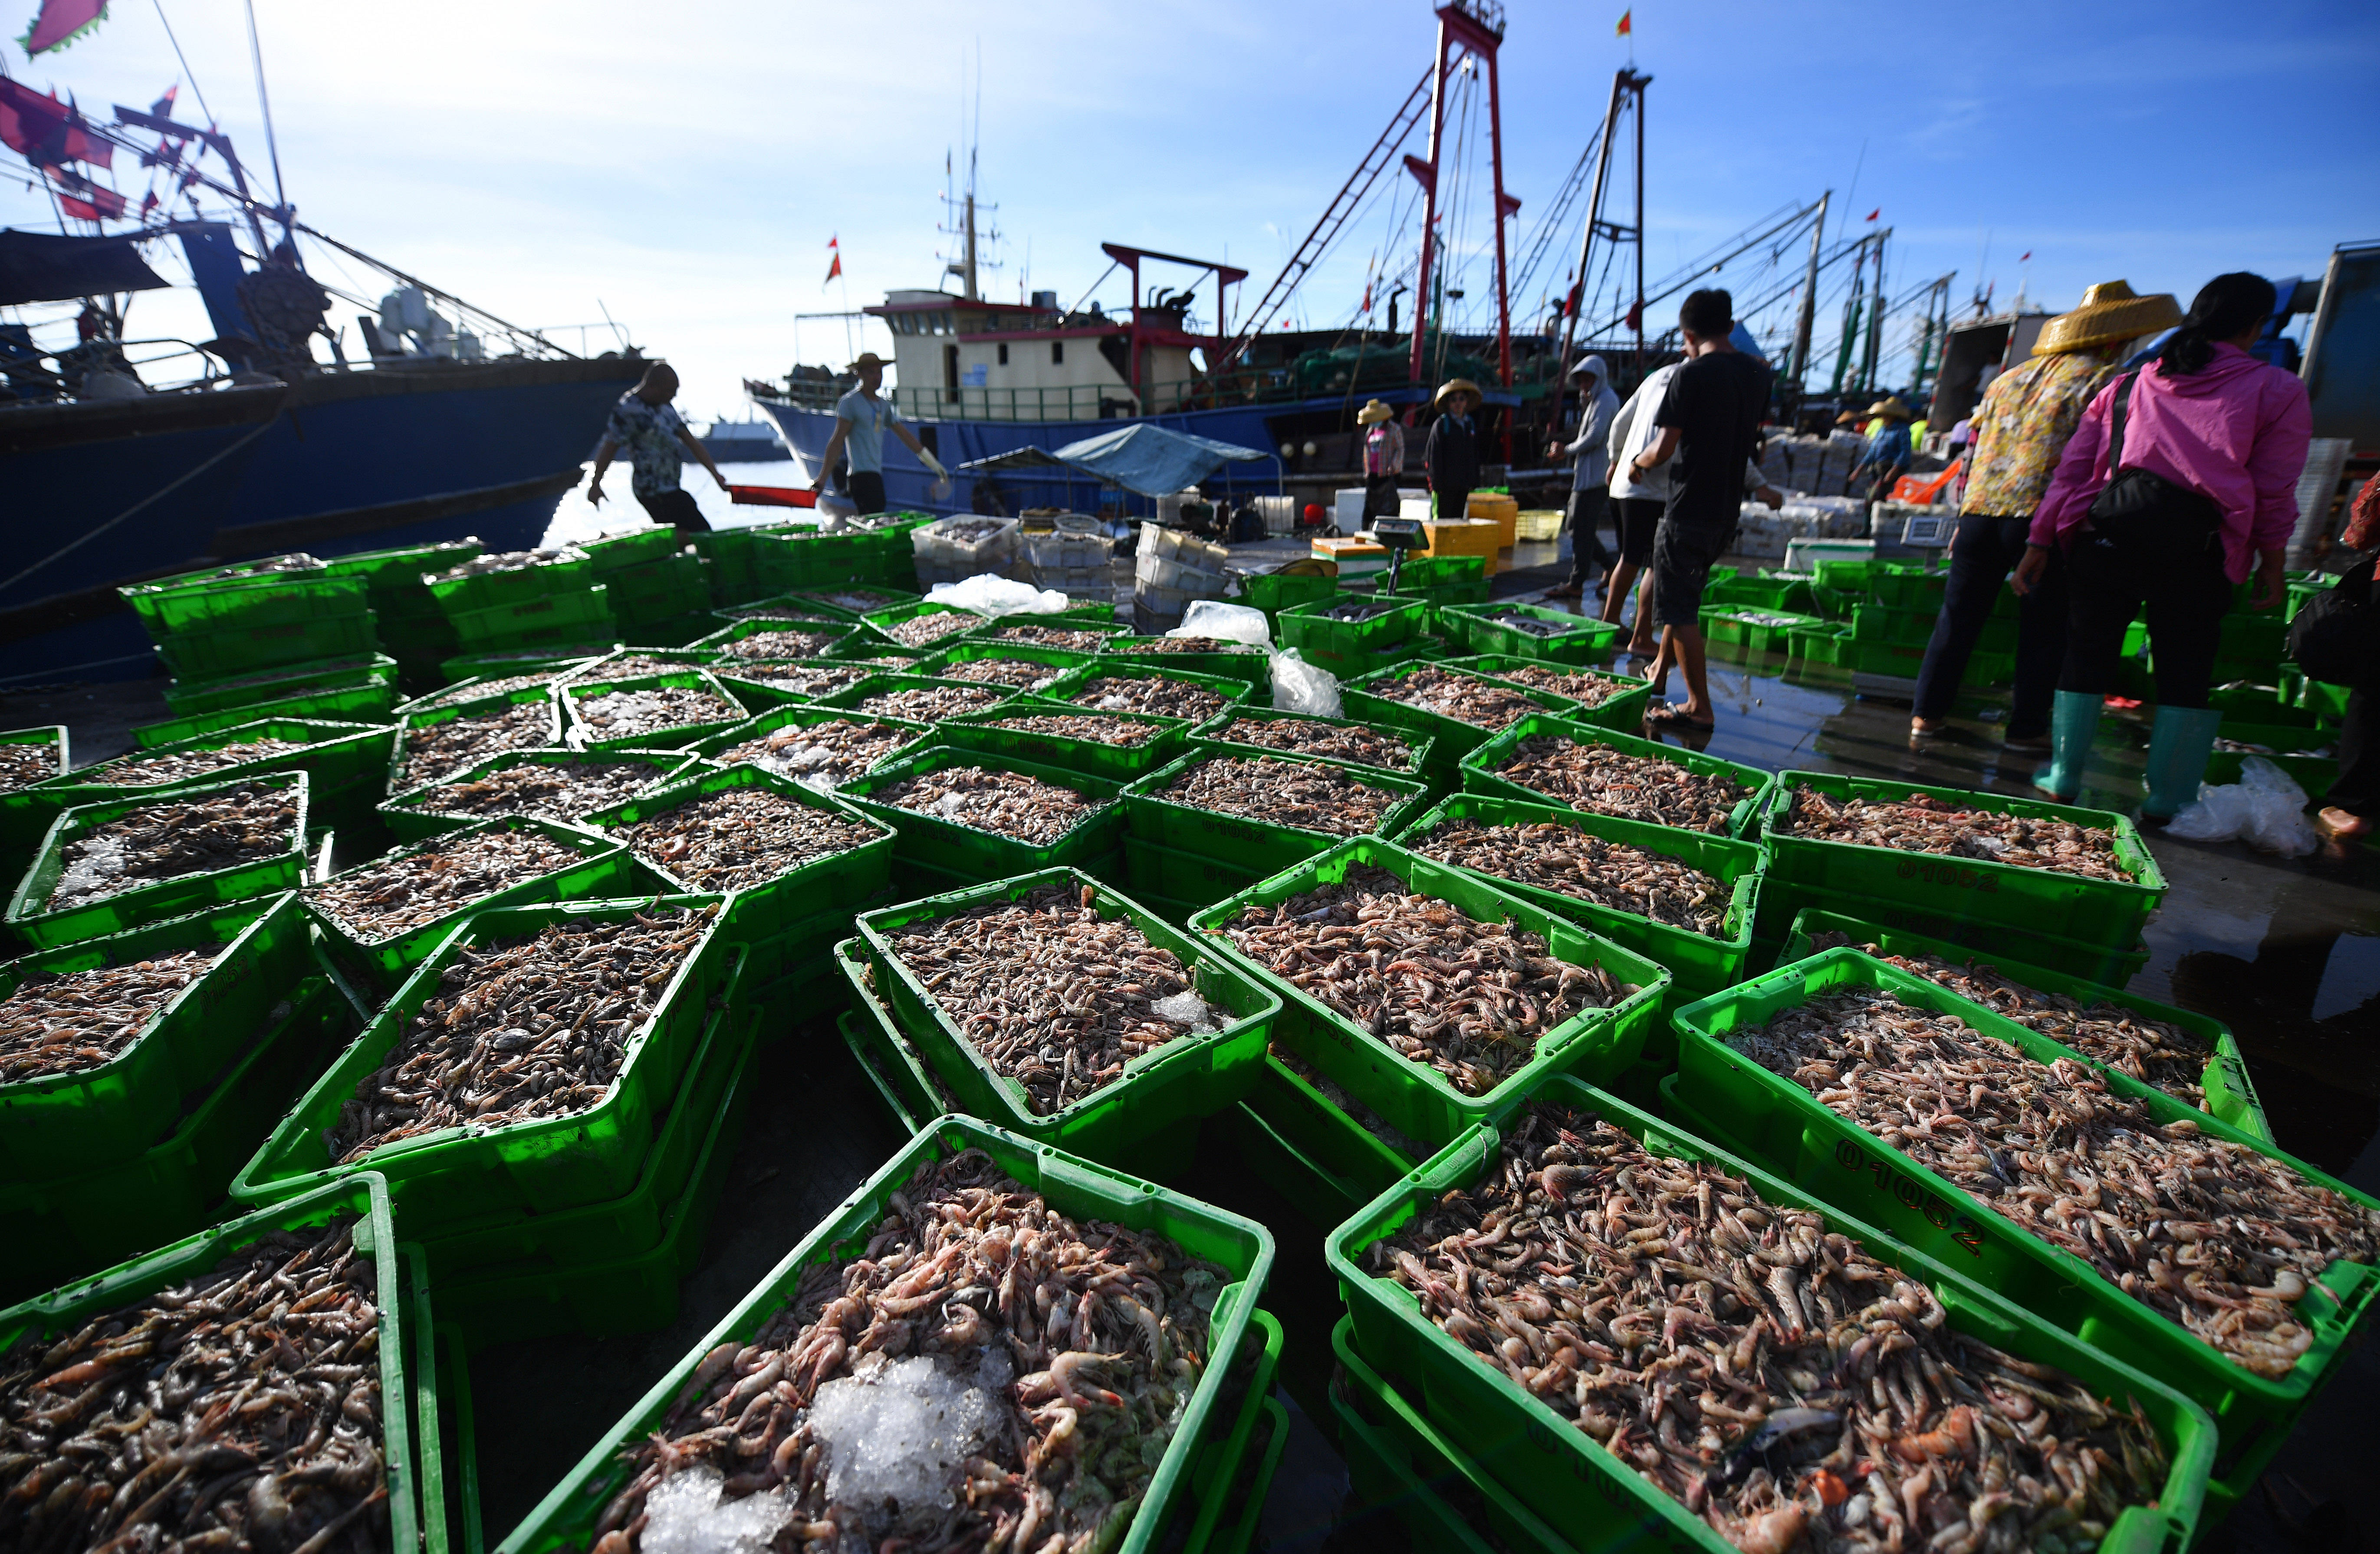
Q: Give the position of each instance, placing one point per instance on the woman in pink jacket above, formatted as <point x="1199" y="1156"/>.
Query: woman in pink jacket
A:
<point x="2200" y="492"/>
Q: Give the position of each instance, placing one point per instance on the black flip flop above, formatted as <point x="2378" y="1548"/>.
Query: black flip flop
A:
<point x="1668" y="712"/>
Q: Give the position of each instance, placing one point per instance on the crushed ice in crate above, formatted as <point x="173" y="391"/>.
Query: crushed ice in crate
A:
<point x="900" y="1430"/>
<point x="1189" y="1009"/>
<point x="94" y="872"/>
<point x="683" y="1517"/>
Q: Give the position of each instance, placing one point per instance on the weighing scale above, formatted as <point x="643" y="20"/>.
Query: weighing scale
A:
<point x="1397" y="536"/>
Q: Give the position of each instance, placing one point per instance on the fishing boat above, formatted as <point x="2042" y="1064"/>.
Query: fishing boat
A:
<point x="125" y="457"/>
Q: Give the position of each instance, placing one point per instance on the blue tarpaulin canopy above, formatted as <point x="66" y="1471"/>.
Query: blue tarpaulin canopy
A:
<point x="1142" y="457"/>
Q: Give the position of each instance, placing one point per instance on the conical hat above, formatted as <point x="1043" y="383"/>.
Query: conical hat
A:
<point x="1454" y="385"/>
<point x="2110" y="311"/>
<point x="1373" y="413"/>
<point x="1892" y="406"/>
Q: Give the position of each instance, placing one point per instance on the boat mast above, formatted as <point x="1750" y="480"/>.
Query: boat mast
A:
<point x="272" y="141"/>
<point x="967" y="266"/>
<point x="1475" y="26"/>
<point x="1627" y="89"/>
<point x="1809" y="311"/>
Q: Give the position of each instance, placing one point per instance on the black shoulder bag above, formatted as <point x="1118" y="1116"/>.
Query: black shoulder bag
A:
<point x="2139" y="508"/>
<point x="2331" y="636"/>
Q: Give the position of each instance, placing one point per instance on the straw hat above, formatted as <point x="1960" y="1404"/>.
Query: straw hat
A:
<point x="1373" y="413"/>
<point x="1892" y="406"/>
<point x="868" y="360"/>
<point x="1849" y="417"/>
<point x="1457" y="385"/>
<point x="2110" y="311"/>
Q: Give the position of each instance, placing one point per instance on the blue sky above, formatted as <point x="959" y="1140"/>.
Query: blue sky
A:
<point x="685" y="166"/>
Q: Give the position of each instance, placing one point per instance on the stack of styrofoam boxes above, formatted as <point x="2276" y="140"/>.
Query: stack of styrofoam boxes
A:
<point x="1171" y="569"/>
<point x="1763" y="534"/>
<point x="1280" y="513"/>
<point x="1347" y="509"/>
<point x="1075" y="560"/>
<point x="1818" y="465"/>
<point x="958" y="548"/>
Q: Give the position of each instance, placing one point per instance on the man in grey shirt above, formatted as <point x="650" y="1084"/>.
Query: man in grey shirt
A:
<point x="861" y="419"/>
<point x="1597" y="405"/>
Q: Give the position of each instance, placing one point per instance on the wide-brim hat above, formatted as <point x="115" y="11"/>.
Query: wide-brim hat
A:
<point x="1373" y="413"/>
<point x="1849" y="417"/>
<point x="868" y="360"/>
<point x="2110" y="311"/>
<point x="1457" y="385"/>
<point x="1892" y="406"/>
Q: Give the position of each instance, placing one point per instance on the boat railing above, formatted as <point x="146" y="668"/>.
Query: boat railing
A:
<point x="1078" y="402"/>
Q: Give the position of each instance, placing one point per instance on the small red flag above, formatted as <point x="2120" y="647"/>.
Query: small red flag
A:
<point x="148" y="203"/>
<point x="833" y="270"/>
<point x="835" y="242"/>
<point x="1878" y="212"/>
<point x="2022" y="257"/>
<point x="60" y="23"/>
<point x="1627" y="27"/>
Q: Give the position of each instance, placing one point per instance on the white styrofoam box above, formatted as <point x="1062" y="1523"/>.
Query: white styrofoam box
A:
<point x="1347" y="509"/>
<point x="1196" y="582"/>
<point x="1280" y="513"/>
<point x="2326" y="466"/>
<point x="973" y="544"/>
<point x="1069" y="550"/>
<point x="1415" y="507"/>
<point x="1803" y="555"/>
<point x="1174" y="543"/>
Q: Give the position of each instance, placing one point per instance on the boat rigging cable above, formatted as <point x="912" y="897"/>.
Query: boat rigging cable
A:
<point x="166" y="490"/>
<point x="272" y="141"/>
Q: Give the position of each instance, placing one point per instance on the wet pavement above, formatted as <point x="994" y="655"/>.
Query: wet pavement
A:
<point x="2286" y="952"/>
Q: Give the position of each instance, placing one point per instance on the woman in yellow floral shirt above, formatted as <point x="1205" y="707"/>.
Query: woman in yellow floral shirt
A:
<point x="2028" y="414"/>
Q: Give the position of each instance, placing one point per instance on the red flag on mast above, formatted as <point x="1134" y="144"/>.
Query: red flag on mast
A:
<point x="60" y="23"/>
<point x="834" y="244"/>
<point x="1627" y="27"/>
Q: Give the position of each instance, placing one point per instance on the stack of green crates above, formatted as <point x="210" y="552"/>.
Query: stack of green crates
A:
<point x="585" y="1221"/>
<point x="253" y="624"/>
<point x="413" y="629"/>
<point x="104" y="1162"/>
<point x="659" y="592"/>
<point x="548" y="604"/>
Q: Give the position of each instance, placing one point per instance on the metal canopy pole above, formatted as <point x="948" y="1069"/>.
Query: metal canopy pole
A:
<point x="1637" y="311"/>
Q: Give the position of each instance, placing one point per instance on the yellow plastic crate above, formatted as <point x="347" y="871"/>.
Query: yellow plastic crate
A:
<point x="1538" y="523"/>
<point x="1496" y="508"/>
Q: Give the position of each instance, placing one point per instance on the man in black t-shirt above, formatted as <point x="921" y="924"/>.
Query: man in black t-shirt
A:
<point x="1710" y="421"/>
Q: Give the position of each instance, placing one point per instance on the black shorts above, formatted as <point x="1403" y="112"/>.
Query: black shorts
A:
<point x="867" y="488"/>
<point x="1639" y="517"/>
<point x="676" y="509"/>
<point x="1683" y="555"/>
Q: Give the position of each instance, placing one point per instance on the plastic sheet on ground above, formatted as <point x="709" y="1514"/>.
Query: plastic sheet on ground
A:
<point x="988" y="595"/>
<point x="1230" y="623"/>
<point x="1300" y="686"/>
<point x="2265" y="808"/>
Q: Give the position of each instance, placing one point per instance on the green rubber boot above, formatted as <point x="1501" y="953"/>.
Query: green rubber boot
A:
<point x="2179" y="743"/>
<point x="2073" y="718"/>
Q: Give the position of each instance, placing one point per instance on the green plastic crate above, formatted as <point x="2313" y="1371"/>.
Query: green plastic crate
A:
<point x="1784" y="1126"/>
<point x="676" y="736"/>
<point x="344" y="759"/>
<point x="602" y="869"/>
<point x="403" y="782"/>
<point x="529" y="658"/>
<point x="1336" y="1165"/>
<point x="1820" y="646"/>
<point x="593" y="670"/>
<point x="1175" y="1085"/>
<point x="187" y="698"/>
<point x="1480" y="768"/>
<point x="185" y="893"/>
<point x="1070" y="686"/>
<point x="910" y="1089"/>
<point x="1310" y="628"/>
<point x="60" y="1222"/>
<point x="962" y="851"/>
<point x="1451" y="738"/>
<point x="881" y="621"/>
<point x="1768" y="591"/>
<point x="238" y="651"/>
<point x="832" y="881"/>
<point x="970" y="649"/>
<point x="1258" y="847"/>
<point x="1398" y="1462"/>
<point x="888" y="683"/>
<point x="1117" y="763"/>
<point x="68" y="1310"/>
<point x="197" y="604"/>
<point x="2100" y="964"/>
<point x="541" y="1165"/>
<point x="397" y="572"/>
<point x="1583" y="640"/>
<point x="1907" y="585"/>
<point x="2087" y="911"/>
<point x="1275" y="591"/>
<point x="1698" y="962"/>
<point x="2304" y="589"/>
<point x="52" y="734"/>
<point x="2230" y="1093"/>
<point x="804" y="714"/>
<point x="1571" y="1479"/>
<point x="1622" y="710"/>
<point x="1173" y="876"/>
<point x="1418" y="1101"/>
<point x="569" y="616"/>
<point x="720" y="641"/>
<point x="627" y="1293"/>
<point x="627" y="549"/>
<point x="636" y="1220"/>
<point x="569" y="572"/>
<point x="1475" y="591"/>
<point x="567" y="1516"/>
<point x="407" y="820"/>
<point x="94" y="1116"/>
<point x="361" y="704"/>
<point x="851" y="601"/>
<point x="1214" y="734"/>
<point x="1253" y="665"/>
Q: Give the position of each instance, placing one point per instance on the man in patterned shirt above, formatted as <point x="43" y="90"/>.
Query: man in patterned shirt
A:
<point x="2023" y="425"/>
<point x="646" y="424"/>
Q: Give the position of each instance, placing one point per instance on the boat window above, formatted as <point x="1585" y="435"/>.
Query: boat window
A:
<point x="1003" y="353"/>
<point x="1057" y="353"/>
